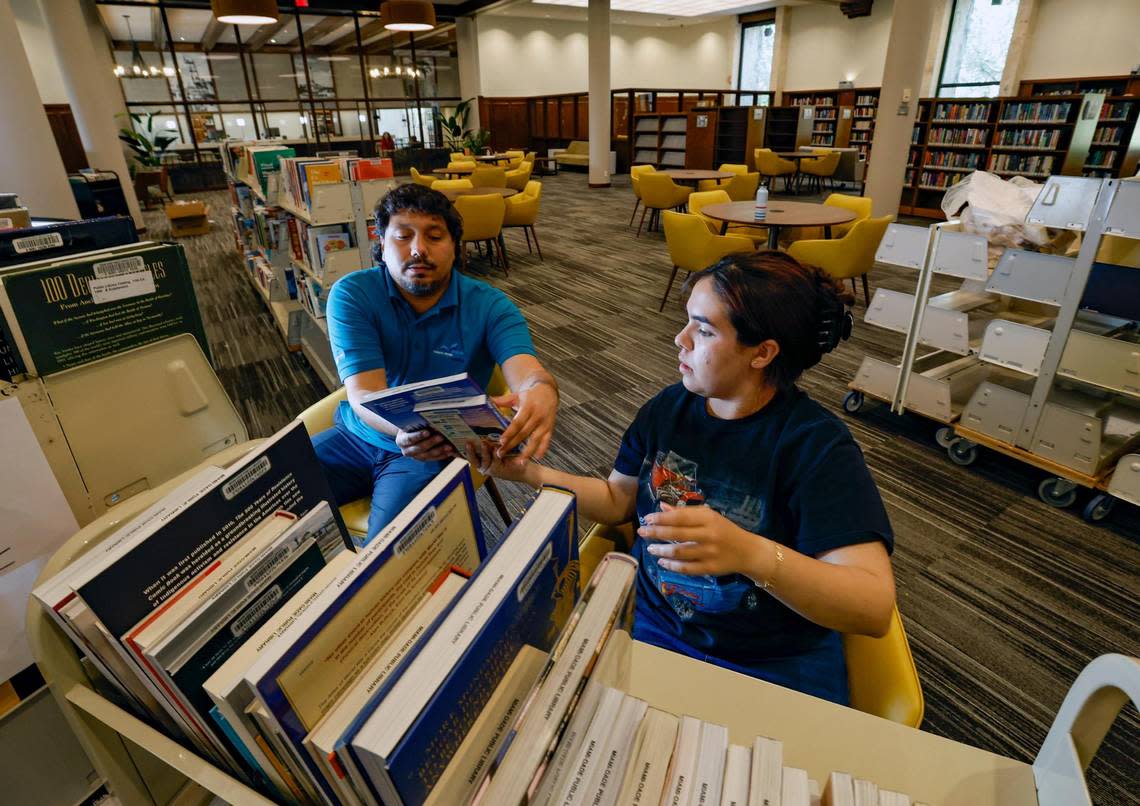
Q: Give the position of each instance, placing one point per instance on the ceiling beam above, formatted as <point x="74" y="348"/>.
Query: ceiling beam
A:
<point x="321" y="30"/>
<point x="213" y="32"/>
<point x="265" y="33"/>
<point x="158" y="32"/>
<point x="348" y="41"/>
<point x="441" y="33"/>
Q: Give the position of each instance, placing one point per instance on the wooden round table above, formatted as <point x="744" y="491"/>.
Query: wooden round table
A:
<point x="454" y="193"/>
<point x="692" y="175"/>
<point x="493" y="158"/>
<point x="454" y="172"/>
<point x="780" y="214"/>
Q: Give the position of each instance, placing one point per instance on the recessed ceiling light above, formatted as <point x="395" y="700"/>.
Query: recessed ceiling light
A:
<point x="182" y="39"/>
<point x="273" y="41"/>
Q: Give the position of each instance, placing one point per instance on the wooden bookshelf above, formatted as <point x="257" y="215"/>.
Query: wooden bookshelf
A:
<point x="786" y="128"/>
<point x="659" y="139"/>
<point x="1110" y="85"/>
<point x="1114" y="150"/>
<point x="843" y="118"/>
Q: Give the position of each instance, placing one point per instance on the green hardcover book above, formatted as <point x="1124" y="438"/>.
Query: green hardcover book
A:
<point x="68" y="312"/>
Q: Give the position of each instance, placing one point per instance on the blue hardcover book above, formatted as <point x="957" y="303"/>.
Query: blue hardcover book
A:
<point x="318" y="660"/>
<point x="522" y="595"/>
<point x="227" y="731"/>
<point x="454" y="406"/>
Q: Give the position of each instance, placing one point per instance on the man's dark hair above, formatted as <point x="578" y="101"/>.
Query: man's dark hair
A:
<point x="771" y="295"/>
<point x="414" y="199"/>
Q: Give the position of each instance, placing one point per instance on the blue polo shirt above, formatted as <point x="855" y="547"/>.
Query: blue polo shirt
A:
<point x="471" y="328"/>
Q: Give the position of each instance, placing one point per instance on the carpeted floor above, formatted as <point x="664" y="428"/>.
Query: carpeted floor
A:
<point x="1004" y="598"/>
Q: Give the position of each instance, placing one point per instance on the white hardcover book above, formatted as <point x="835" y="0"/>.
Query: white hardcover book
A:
<point x="558" y="769"/>
<point x="322" y="739"/>
<point x="839" y="790"/>
<point x="767" y="766"/>
<point x="709" y="778"/>
<point x="644" y="778"/>
<point x="737" y="774"/>
<point x="683" y="766"/>
<point x="795" y="790"/>
<point x="889" y="798"/>
<point x="585" y="761"/>
<point x="866" y="793"/>
<point x="617" y="752"/>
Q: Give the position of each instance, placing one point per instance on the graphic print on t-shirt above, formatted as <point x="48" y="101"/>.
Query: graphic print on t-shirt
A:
<point x="673" y="479"/>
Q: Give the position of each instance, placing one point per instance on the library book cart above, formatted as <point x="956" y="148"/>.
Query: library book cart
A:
<point x="141" y="765"/>
<point x="1038" y="359"/>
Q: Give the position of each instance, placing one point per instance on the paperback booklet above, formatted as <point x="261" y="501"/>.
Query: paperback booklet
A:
<point x="454" y="407"/>
<point x="521" y="596"/>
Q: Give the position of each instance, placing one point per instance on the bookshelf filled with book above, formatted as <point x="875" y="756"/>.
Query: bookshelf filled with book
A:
<point x="301" y="226"/>
<point x="843" y="118"/>
<point x="1016" y="136"/>
<point x="659" y="139"/>
<point x="863" y="120"/>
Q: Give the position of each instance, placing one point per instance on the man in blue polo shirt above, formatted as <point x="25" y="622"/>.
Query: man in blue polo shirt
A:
<point x="413" y="318"/>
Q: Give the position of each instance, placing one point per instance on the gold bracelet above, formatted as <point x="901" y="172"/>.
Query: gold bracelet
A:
<point x="775" y="568"/>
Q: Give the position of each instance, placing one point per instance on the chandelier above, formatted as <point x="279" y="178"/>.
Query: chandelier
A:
<point x="138" y="67"/>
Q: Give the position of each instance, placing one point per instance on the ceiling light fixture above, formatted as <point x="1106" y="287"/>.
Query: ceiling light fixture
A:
<point x="138" y="66"/>
<point x="244" y="12"/>
<point x="408" y="15"/>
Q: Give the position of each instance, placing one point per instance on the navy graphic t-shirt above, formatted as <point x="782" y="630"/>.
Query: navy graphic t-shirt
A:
<point x="790" y="472"/>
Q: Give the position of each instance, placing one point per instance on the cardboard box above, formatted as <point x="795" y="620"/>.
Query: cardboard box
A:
<point x="188" y="218"/>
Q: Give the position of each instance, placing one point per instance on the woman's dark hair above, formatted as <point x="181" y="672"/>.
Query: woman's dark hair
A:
<point x="771" y="295"/>
<point x="414" y="199"/>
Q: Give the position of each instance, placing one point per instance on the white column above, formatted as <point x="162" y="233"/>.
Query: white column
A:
<point x="1019" y="41"/>
<point x="92" y="90"/>
<point x="898" y="104"/>
<point x="467" y="51"/>
<point x="782" y="35"/>
<point x="599" y="87"/>
<point x="32" y="166"/>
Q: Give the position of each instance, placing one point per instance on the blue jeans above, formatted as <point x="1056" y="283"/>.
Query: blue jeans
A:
<point x="356" y="469"/>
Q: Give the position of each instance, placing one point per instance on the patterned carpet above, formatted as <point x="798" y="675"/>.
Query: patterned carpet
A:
<point x="1004" y="598"/>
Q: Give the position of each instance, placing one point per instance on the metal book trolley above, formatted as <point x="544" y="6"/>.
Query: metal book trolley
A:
<point x="1023" y="361"/>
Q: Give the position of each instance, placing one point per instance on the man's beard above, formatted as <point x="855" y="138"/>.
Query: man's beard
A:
<point x="420" y="288"/>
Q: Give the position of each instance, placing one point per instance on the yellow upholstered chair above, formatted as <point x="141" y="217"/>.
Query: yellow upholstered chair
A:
<point x="701" y="199"/>
<point x="659" y="192"/>
<point x="529" y="157"/>
<point x="516" y="158"/>
<point x="522" y="211"/>
<point x="518" y="177"/>
<point x="742" y="187"/>
<point x="692" y="247"/>
<point x="712" y="184"/>
<point x="770" y="166"/>
<point x="452" y="184"/>
<point x="420" y="179"/>
<point x="821" y="168"/>
<point x="859" y="205"/>
<point x="461" y="166"/>
<point x="319" y="417"/>
<point x="489" y="177"/>
<point x="848" y="257"/>
<point x="881" y="676"/>
<point x="483" y="223"/>
<point x="635" y="174"/>
<point x="459" y="156"/>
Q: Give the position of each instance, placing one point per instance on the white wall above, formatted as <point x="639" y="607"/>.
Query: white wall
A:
<point x="41" y="56"/>
<point x="527" y="56"/>
<point x="825" y="47"/>
<point x="1073" y="38"/>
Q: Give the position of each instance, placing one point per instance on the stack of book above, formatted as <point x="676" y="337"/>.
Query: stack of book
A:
<point x="299" y="176"/>
<point x="258" y="161"/>
<point x="235" y="615"/>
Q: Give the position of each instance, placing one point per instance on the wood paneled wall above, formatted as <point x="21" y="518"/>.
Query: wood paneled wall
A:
<point x="67" y="138"/>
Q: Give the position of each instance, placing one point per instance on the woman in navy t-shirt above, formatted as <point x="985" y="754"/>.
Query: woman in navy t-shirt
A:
<point x="762" y="536"/>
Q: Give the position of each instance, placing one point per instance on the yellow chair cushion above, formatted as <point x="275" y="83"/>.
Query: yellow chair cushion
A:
<point x="850" y="256"/>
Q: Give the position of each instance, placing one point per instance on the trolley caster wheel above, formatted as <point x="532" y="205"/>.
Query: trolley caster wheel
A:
<point x="962" y="452"/>
<point x="853" y="402"/>
<point x="944" y="436"/>
<point x="1098" y="508"/>
<point x="1057" y="492"/>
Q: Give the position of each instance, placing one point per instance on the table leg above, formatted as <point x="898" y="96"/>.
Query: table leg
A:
<point x="827" y="232"/>
<point x="773" y="237"/>
<point x="723" y="227"/>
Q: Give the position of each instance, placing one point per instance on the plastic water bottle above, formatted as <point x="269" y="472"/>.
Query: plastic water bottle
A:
<point x="761" y="203"/>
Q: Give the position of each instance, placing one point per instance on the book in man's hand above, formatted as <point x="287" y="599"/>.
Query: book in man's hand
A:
<point x="454" y="407"/>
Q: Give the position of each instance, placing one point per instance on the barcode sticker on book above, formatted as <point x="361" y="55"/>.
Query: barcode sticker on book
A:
<point x="124" y="286"/>
<point x="37" y="243"/>
<point x="115" y="268"/>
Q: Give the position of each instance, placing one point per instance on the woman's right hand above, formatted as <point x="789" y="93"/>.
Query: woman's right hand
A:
<point x="512" y="467"/>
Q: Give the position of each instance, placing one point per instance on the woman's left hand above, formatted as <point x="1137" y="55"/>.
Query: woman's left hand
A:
<point x="699" y="540"/>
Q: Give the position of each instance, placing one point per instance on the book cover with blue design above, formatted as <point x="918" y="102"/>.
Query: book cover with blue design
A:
<point x="318" y="663"/>
<point x="521" y="596"/>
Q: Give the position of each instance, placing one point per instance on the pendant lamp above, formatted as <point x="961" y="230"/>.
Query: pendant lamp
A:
<point x="408" y="15"/>
<point x="244" y="12"/>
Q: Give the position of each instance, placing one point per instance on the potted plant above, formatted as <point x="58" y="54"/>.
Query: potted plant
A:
<point x="454" y="126"/>
<point x="149" y="147"/>
<point x="477" y="140"/>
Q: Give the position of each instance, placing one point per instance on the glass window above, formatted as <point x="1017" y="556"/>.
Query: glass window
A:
<point x="976" y="48"/>
<point x="757" y="41"/>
